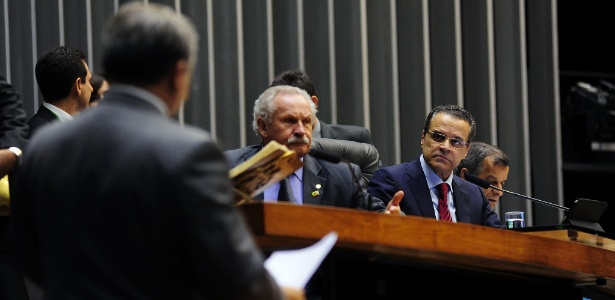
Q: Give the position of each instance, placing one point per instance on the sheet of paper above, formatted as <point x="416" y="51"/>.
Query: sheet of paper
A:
<point x="294" y="268"/>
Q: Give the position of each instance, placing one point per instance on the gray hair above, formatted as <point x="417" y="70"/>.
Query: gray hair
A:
<point x="264" y="105"/>
<point x="142" y="43"/>
<point x="476" y="155"/>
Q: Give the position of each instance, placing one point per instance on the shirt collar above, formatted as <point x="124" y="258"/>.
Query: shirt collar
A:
<point x="62" y="115"/>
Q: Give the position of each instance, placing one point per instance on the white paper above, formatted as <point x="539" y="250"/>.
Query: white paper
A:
<point x="294" y="268"/>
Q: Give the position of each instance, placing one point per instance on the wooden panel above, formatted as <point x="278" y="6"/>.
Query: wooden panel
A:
<point x="480" y="248"/>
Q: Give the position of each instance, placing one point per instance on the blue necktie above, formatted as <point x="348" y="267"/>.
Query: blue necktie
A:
<point x="286" y="192"/>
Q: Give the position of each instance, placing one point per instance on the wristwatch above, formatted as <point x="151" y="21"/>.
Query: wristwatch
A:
<point x="17" y="153"/>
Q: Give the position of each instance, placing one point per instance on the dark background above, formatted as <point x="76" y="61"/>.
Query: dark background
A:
<point x="587" y="54"/>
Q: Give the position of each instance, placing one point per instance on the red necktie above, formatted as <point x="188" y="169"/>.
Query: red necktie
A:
<point x="445" y="214"/>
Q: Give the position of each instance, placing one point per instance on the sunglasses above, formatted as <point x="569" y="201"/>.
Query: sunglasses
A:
<point x="440" y="138"/>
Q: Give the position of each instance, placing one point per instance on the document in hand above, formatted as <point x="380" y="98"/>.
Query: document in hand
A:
<point x="271" y="164"/>
<point x="294" y="268"/>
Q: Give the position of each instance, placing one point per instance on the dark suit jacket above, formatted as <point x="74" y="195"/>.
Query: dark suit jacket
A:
<point x="43" y="117"/>
<point x="337" y="184"/>
<point x="345" y="132"/>
<point x="140" y="208"/>
<point x="13" y="133"/>
<point x="470" y="202"/>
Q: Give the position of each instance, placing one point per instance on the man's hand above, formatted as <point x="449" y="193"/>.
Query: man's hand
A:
<point x="393" y="206"/>
<point x="293" y="293"/>
<point x="8" y="161"/>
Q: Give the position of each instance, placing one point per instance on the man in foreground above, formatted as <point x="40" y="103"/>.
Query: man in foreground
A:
<point x="139" y="207"/>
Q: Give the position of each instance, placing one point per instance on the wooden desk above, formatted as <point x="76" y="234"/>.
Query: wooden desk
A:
<point x="466" y="252"/>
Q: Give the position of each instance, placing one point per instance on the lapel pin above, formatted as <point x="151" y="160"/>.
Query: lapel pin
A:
<point x="318" y="186"/>
<point x="315" y="193"/>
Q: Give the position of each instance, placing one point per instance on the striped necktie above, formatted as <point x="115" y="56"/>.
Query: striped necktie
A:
<point x="445" y="214"/>
<point x="286" y="192"/>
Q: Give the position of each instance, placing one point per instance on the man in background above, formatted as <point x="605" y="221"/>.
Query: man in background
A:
<point x="140" y="207"/>
<point x="320" y="128"/>
<point x="63" y="78"/>
<point x="487" y="162"/>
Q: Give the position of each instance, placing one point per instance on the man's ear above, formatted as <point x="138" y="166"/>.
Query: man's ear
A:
<point x="315" y="100"/>
<point x="262" y="126"/>
<point x="77" y="86"/>
<point x="462" y="173"/>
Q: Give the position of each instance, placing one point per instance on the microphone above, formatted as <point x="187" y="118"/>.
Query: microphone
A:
<point x="485" y="184"/>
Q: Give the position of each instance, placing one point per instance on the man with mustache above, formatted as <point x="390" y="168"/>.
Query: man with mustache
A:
<point x="285" y="114"/>
<point x="431" y="189"/>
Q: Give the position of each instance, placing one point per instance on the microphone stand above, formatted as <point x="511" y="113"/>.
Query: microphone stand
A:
<point x="530" y="198"/>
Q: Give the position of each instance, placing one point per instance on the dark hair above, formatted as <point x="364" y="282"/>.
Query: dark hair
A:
<point x="56" y="71"/>
<point x="296" y="79"/>
<point x="142" y="43"/>
<point x="476" y="155"/>
<point x="96" y="82"/>
<point x="457" y="113"/>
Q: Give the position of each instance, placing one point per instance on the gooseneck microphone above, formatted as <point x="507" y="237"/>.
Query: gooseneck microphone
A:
<point x="485" y="184"/>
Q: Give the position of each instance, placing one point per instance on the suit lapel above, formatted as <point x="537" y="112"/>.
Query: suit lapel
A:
<point x="462" y="203"/>
<point x="313" y="185"/>
<point x="420" y="190"/>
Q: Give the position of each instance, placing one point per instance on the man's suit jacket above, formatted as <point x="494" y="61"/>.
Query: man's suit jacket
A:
<point x="13" y="133"/>
<point x="43" y="117"/>
<point x="140" y="208"/>
<point x="338" y="187"/>
<point x="345" y="132"/>
<point x="470" y="202"/>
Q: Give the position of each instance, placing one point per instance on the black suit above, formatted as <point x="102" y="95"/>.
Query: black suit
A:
<point x="13" y="133"/>
<point x="138" y="208"/>
<point x="43" y="117"/>
<point x="470" y="202"/>
<point x="345" y="132"/>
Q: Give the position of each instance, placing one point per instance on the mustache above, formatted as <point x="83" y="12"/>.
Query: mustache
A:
<point x="298" y="140"/>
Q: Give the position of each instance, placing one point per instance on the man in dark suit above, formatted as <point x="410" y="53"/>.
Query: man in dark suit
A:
<point x="13" y="135"/>
<point x="142" y="207"/>
<point x="320" y="128"/>
<point x="285" y="114"/>
<point x="446" y="136"/>
<point x="63" y="77"/>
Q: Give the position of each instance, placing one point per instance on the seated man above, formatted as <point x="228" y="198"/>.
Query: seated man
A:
<point x="431" y="189"/>
<point x="487" y="162"/>
<point x="285" y="114"/>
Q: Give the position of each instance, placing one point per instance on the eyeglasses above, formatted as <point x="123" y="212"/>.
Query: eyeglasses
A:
<point x="440" y="138"/>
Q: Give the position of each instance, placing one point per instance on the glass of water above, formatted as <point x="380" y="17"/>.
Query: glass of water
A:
<point x="515" y="219"/>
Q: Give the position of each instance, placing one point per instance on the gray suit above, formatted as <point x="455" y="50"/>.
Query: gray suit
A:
<point x="345" y="132"/>
<point x="124" y="203"/>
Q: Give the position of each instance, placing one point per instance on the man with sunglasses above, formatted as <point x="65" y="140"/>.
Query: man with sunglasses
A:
<point x="430" y="188"/>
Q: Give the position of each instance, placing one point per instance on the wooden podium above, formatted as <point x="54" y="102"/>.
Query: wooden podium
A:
<point x="379" y="256"/>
